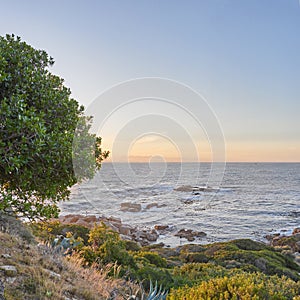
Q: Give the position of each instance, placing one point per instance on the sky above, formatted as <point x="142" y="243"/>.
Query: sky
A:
<point x="242" y="57"/>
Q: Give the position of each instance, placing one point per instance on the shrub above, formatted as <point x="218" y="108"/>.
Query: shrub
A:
<point x="106" y="247"/>
<point x="240" y="286"/>
<point x="47" y="231"/>
<point x="196" y="272"/>
<point x="152" y="258"/>
<point x="132" y="246"/>
<point x="195" y="258"/>
<point x="148" y="273"/>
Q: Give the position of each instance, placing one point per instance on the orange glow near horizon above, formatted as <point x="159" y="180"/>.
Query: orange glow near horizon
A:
<point x="157" y="149"/>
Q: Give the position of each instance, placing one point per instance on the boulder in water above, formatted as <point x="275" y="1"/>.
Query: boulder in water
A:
<point x="189" y="234"/>
<point x="184" y="188"/>
<point x="161" y="227"/>
<point x="151" y="205"/>
<point x="131" y="207"/>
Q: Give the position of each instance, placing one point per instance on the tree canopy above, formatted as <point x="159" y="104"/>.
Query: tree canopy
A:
<point x="43" y="131"/>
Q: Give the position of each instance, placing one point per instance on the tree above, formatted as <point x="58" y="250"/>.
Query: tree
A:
<point x="42" y="131"/>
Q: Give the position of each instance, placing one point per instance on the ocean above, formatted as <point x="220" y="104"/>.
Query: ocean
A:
<point x="245" y="200"/>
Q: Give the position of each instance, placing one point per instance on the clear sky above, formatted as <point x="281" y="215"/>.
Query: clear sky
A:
<point x="243" y="56"/>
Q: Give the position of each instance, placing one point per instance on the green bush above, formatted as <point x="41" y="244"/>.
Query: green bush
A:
<point x="240" y="286"/>
<point x="47" y="231"/>
<point x="246" y="244"/>
<point x="152" y="258"/>
<point x="252" y="256"/>
<point x="196" y="272"/>
<point x="148" y="273"/>
<point x="132" y="246"/>
<point x="105" y="246"/>
<point x="195" y="258"/>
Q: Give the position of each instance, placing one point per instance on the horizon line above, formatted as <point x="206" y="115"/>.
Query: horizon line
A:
<point x="177" y="162"/>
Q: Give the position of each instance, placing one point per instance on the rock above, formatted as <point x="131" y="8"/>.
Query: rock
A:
<point x="10" y="271"/>
<point x="90" y="219"/>
<point x="125" y="237"/>
<point x="195" y="189"/>
<point x="114" y="220"/>
<point x="270" y="237"/>
<point x="151" y="205"/>
<point x="161" y="227"/>
<point x="52" y="274"/>
<point x="131" y="207"/>
<point x="151" y="236"/>
<point x="86" y="221"/>
<point x="184" y="188"/>
<point x="69" y="219"/>
<point x="291" y="242"/>
<point x="141" y="234"/>
<point x="5" y="255"/>
<point x="111" y="226"/>
<point x="144" y="237"/>
<point x="189" y="234"/>
<point x="296" y="230"/>
<point x="82" y="222"/>
<point x="143" y="243"/>
<point x="125" y="230"/>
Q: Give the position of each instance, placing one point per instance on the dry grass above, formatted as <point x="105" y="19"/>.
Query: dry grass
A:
<point x="98" y="280"/>
<point x="35" y="281"/>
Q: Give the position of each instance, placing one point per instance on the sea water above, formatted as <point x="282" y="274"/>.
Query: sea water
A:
<point x="242" y="200"/>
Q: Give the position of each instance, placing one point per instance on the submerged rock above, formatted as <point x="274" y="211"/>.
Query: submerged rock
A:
<point x="184" y="188"/>
<point x="296" y="231"/>
<point x="161" y="227"/>
<point x="131" y="207"/>
<point x="189" y="234"/>
<point x="194" y="189"/>
<point x="151" y="205"/>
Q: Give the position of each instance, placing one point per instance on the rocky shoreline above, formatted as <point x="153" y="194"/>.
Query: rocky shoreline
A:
<point x="288" y="244"/>
<point x="143" y="236"/>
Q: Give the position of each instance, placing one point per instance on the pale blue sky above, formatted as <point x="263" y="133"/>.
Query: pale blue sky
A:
<point x="242" y="55"/>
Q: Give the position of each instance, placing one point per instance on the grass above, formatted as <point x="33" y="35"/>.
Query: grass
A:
<point x="35" y="280"/>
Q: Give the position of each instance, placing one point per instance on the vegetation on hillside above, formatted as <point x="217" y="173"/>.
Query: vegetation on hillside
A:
<point x="244" y="268"/>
